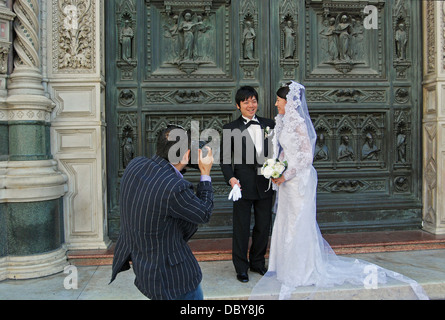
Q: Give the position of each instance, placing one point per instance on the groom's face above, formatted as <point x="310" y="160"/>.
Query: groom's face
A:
<point x="248" y="107"/>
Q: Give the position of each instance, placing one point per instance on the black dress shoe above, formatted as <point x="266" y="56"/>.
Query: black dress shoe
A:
<point x="262" y="271"/>
<point x="242" y="277"/>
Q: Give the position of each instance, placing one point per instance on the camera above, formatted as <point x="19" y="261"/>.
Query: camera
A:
<point x="194" y="155"/>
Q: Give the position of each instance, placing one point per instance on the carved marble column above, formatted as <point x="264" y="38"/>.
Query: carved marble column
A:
<point x="31" y="186"/>
<point x="434" y="117"/>
<point x="6" y="16"/>
<point x="75" y="72"/>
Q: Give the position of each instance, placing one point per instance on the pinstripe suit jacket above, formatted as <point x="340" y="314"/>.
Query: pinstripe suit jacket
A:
<point x="159" y="214"/>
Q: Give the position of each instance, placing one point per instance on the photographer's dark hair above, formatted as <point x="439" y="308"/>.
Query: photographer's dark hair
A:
<point x="245" y="93"/>
<point x="163" y="144"/>
<point x="283" y="91"/>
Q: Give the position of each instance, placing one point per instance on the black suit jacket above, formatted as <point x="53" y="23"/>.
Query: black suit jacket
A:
<point x="159" y="214"/>
<point x="253" y="185"/>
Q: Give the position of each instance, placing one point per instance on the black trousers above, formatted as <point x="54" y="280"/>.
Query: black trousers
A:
<point x="241" y="233"/>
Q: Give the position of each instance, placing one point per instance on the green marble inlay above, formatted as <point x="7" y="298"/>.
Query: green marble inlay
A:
<point x="4" y="141"/>
<point x="30" y="228"/>
<point x="29" y="140"/>
<point x="3" y="233"/>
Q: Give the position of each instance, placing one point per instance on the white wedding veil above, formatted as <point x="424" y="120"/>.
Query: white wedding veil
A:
<point x="296" y="103"/>
<point x="302" y="265"/>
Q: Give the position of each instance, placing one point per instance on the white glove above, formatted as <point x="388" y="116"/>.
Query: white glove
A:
<point x="235" y="193"/>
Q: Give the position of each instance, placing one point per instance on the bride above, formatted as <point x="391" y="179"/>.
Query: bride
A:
<point x="299" y="256"/>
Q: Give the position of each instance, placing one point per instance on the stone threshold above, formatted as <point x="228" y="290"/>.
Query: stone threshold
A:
<point x="341" y="243"/>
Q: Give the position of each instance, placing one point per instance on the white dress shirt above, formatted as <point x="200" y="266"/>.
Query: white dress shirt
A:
<point x="256" y="133"/>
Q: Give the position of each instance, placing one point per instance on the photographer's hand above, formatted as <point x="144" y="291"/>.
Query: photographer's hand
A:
<point x="205" y="164"/>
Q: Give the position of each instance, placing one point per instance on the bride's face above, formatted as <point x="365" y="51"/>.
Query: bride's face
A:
<point x="280" y="104"/>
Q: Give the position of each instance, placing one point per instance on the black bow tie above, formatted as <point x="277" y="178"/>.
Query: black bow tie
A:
<point x="248" y="124"/>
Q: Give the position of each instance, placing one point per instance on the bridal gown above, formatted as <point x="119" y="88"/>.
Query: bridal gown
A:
<point x="299" y="255"/>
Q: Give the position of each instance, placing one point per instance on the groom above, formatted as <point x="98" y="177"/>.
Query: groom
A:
<point x="243" y="171"/>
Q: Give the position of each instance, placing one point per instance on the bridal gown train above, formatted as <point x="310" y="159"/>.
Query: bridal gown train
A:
<point x="299" y="256"/>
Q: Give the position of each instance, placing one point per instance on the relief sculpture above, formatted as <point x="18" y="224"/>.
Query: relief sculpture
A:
<point x="402" y="139"/>
<point x="248" y="62"/>
<point x="401" y="39"/>
<point x="126" y="40"/>
<point x="401" y="42"/>
<point x="401" y="146"/>
<point x="289" y="40"/>
<point x="289" y="49"/>
<point x="341" y="39"/>
<point x="76" y="35"/>
<point x="321" y="150"/>
<point x="345" y="152"/>
<point x="369" y="149"/>
<point x="186" y="47"/>
<point x="126" y="31"/>
<point x="248" y="41"/>
<point x="249" y="30"/>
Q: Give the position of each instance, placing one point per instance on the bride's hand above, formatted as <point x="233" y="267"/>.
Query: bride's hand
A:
<point x="279" y="180"/>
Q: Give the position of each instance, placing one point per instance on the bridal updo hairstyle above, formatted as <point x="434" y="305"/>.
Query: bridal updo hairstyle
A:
<point x="283" y="91"/>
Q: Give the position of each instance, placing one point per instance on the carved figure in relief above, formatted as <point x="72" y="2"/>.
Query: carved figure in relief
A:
<point x="127" y="97"/>
<point x="188" y="96"/>
<point x="289" y="40"/>
<point x="126" y="40"/>
<point x="329" y="34"/>
<point x="128" y="151"/>
<point x="344" y="31"/>
<point x="369" y="149"/>
<point x="172" y="35"/>
<point x="401" y="41"/>
<point x="187" y="32"/>
<point x="321" y="150"/>
<point x="248" y="41"/>
<point x="401" y="146"/>
<point x="4" y="52"/>
<point x="199" y="45"/>
<point x="357" y="47"/>
<point x="345" y="152"/>
<point x="345" y="38"/>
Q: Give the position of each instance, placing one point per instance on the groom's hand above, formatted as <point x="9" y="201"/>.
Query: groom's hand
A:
<point x="234" y="181"/>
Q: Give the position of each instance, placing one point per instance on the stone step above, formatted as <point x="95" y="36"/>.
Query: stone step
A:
<point x="342" y="244"/>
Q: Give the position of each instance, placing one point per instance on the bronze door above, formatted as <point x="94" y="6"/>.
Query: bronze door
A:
<point x="182" y="61"/>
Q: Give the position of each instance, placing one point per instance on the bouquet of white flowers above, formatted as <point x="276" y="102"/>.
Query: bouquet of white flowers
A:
<point x="273" y="168"/>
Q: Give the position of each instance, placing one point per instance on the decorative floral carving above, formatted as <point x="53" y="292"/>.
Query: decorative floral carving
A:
<point x="430" y="38"/>
<point x="75" y="45"/>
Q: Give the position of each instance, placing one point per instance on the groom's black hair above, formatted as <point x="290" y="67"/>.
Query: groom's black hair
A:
<point x="245" y="93"/>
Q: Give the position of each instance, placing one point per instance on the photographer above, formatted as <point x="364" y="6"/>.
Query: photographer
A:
<point x="159" y="214"/>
